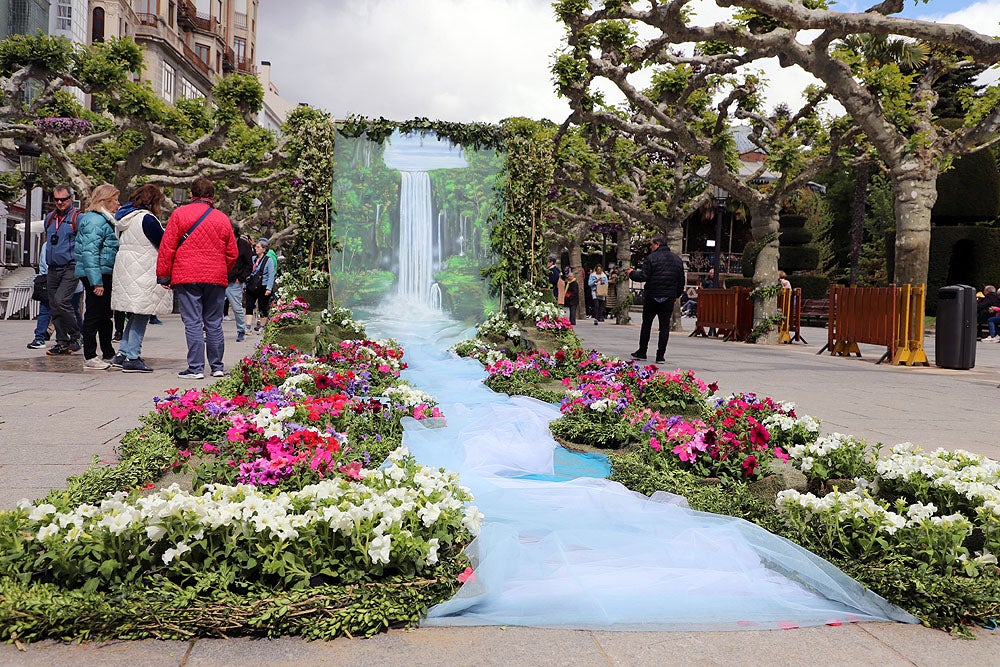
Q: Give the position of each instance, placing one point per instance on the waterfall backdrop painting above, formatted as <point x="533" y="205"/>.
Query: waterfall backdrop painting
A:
<point x="413" y="215"/>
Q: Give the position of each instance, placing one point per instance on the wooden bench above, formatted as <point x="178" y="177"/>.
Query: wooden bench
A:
<point x="815" y="309"/>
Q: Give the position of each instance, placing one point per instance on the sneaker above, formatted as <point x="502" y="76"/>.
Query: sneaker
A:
<point x="188" y="374"/>
<point x="58" y="350"/>
<point x="227" y="318"/>
<point x="596" y="322"/>
<point x="36" y="345"/>
<point x="117" y="338"/>
<point x="95" y="364"/>
<point x="239" y="338"/>
<point x="256" y="328"/>
<point x="135" y="366"/>
<point x="117" y="360"/>
<point x="218" y="373"/>
<point x="155" y="320"/>
<point x="661" y="360"/>
<point x="638" y="355"/>
<point x="74" y="346"/>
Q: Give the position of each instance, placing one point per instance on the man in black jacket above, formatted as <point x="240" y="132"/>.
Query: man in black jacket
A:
<point x="554" y="275"/>
<point x="237" y="279"/>
<point x="663" y="273"/>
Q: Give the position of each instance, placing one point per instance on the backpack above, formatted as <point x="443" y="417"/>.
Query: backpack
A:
<point x="274" y="256"/>
<point x="73" y="220"/>
<point x="255" y="281"/>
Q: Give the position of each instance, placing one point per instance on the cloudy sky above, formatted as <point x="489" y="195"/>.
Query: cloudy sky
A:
<point x="461" y="60"/>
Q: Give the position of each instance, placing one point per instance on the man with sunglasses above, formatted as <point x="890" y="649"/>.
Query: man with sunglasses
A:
<point x="60" y="235"/>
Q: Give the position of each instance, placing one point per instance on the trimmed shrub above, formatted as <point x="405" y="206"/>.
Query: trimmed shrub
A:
<point x="970" y="190"/>
<point x="798" y="258"/>
<point x="962" y="255"/>
<point x="795" y="236"/>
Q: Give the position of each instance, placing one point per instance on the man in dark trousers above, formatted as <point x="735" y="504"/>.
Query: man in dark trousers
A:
<point x="663" y="273"/>
<point x="554" y="275"/>
<point x="60" y="236"/>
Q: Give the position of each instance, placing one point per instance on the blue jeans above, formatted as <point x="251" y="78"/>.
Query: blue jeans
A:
<point x="135" y="330"/>
<point x="235" y="295"/>
<point x="44" y="317"/>
<point x="992" y="322"/>
<point x="201" y="312"/>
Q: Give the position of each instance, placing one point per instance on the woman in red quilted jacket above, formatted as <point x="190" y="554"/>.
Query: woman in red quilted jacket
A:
<point x="196" y="254"/>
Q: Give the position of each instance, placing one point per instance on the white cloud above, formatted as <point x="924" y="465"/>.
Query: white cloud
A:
<point x="462" y="60"/>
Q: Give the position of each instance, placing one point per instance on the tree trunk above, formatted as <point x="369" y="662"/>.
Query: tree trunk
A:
<point x="623" y="258"/>
<point x="861" y="178"/>
<point x="914" y="198"/>
<point x="764" y="226"/>
<point x="673" y="233"/>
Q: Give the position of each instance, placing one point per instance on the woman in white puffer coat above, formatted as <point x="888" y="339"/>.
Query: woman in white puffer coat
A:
<point x="136" y="292"/>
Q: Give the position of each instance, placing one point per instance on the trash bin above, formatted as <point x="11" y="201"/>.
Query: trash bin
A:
<point x="955" y="336"/>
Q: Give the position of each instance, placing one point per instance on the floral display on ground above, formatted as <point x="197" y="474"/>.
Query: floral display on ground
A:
<point x="292" y="496"/>
<point x="921" y="529"/>
<point x="279" y="500"/>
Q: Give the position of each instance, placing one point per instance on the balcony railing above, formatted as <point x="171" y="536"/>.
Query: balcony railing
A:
<point x="228" y="60"/>
<point x="148" y="19"/>
<point x="245" y="66"/>
<point x="240" y="22"/>
<point x="186" y="13"/>
<point x="196" y="61"/>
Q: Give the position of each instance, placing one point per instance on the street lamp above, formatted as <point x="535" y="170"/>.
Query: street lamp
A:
<point x="28" y="155"/>
<point x="720" y="196"/>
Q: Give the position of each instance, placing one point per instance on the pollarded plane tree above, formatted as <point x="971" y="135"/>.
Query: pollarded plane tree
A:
<point x="896" y="110"/>
<point x="648" y="186"/>
<point x="693" y="99"/>
<point x="135" y="137"/>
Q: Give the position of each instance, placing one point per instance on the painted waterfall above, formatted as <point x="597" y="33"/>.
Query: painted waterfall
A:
<point x="412" y="215"/>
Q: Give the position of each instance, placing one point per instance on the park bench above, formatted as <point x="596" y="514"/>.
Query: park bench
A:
<point x="815" y="309"/>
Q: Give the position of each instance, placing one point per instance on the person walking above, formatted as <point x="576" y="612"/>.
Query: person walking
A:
<point x="572" y="296"/>
<point x="260" y="283"/>
<point x="554" y="276"/>
<point x="60" y="241"/>
<point x="663" y="273"/>
<point x="96" y="248"/>
<point x="197" y="252"/>
<point x="598" y="283"/>
<point x="136" y="292"/>
<point x="237" y="279"/>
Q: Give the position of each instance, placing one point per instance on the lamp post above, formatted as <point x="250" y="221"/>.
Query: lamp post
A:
<point x="720" y="195"/>
<point x="28" y="155"/>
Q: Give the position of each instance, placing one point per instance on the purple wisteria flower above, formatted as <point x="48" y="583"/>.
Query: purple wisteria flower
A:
<point x="63" y="127"/>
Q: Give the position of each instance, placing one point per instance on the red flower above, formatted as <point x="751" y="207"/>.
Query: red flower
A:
<point x="759" y="435"/>
<point x="750" y="465"/>
<point x="468" y="574"/>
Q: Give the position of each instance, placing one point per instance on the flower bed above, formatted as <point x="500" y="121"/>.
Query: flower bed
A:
<point x="921" y="529"/>
<point x="285" y="502"/>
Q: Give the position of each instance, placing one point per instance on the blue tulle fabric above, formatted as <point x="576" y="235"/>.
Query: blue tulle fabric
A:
<point x="563" y="547"/>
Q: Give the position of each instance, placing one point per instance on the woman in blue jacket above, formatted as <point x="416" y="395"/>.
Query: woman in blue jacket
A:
<point x="96" y="248"/>
<point x="260" y="284"/>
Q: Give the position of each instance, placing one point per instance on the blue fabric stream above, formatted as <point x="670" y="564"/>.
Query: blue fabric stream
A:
<point x="561" y="547"/>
